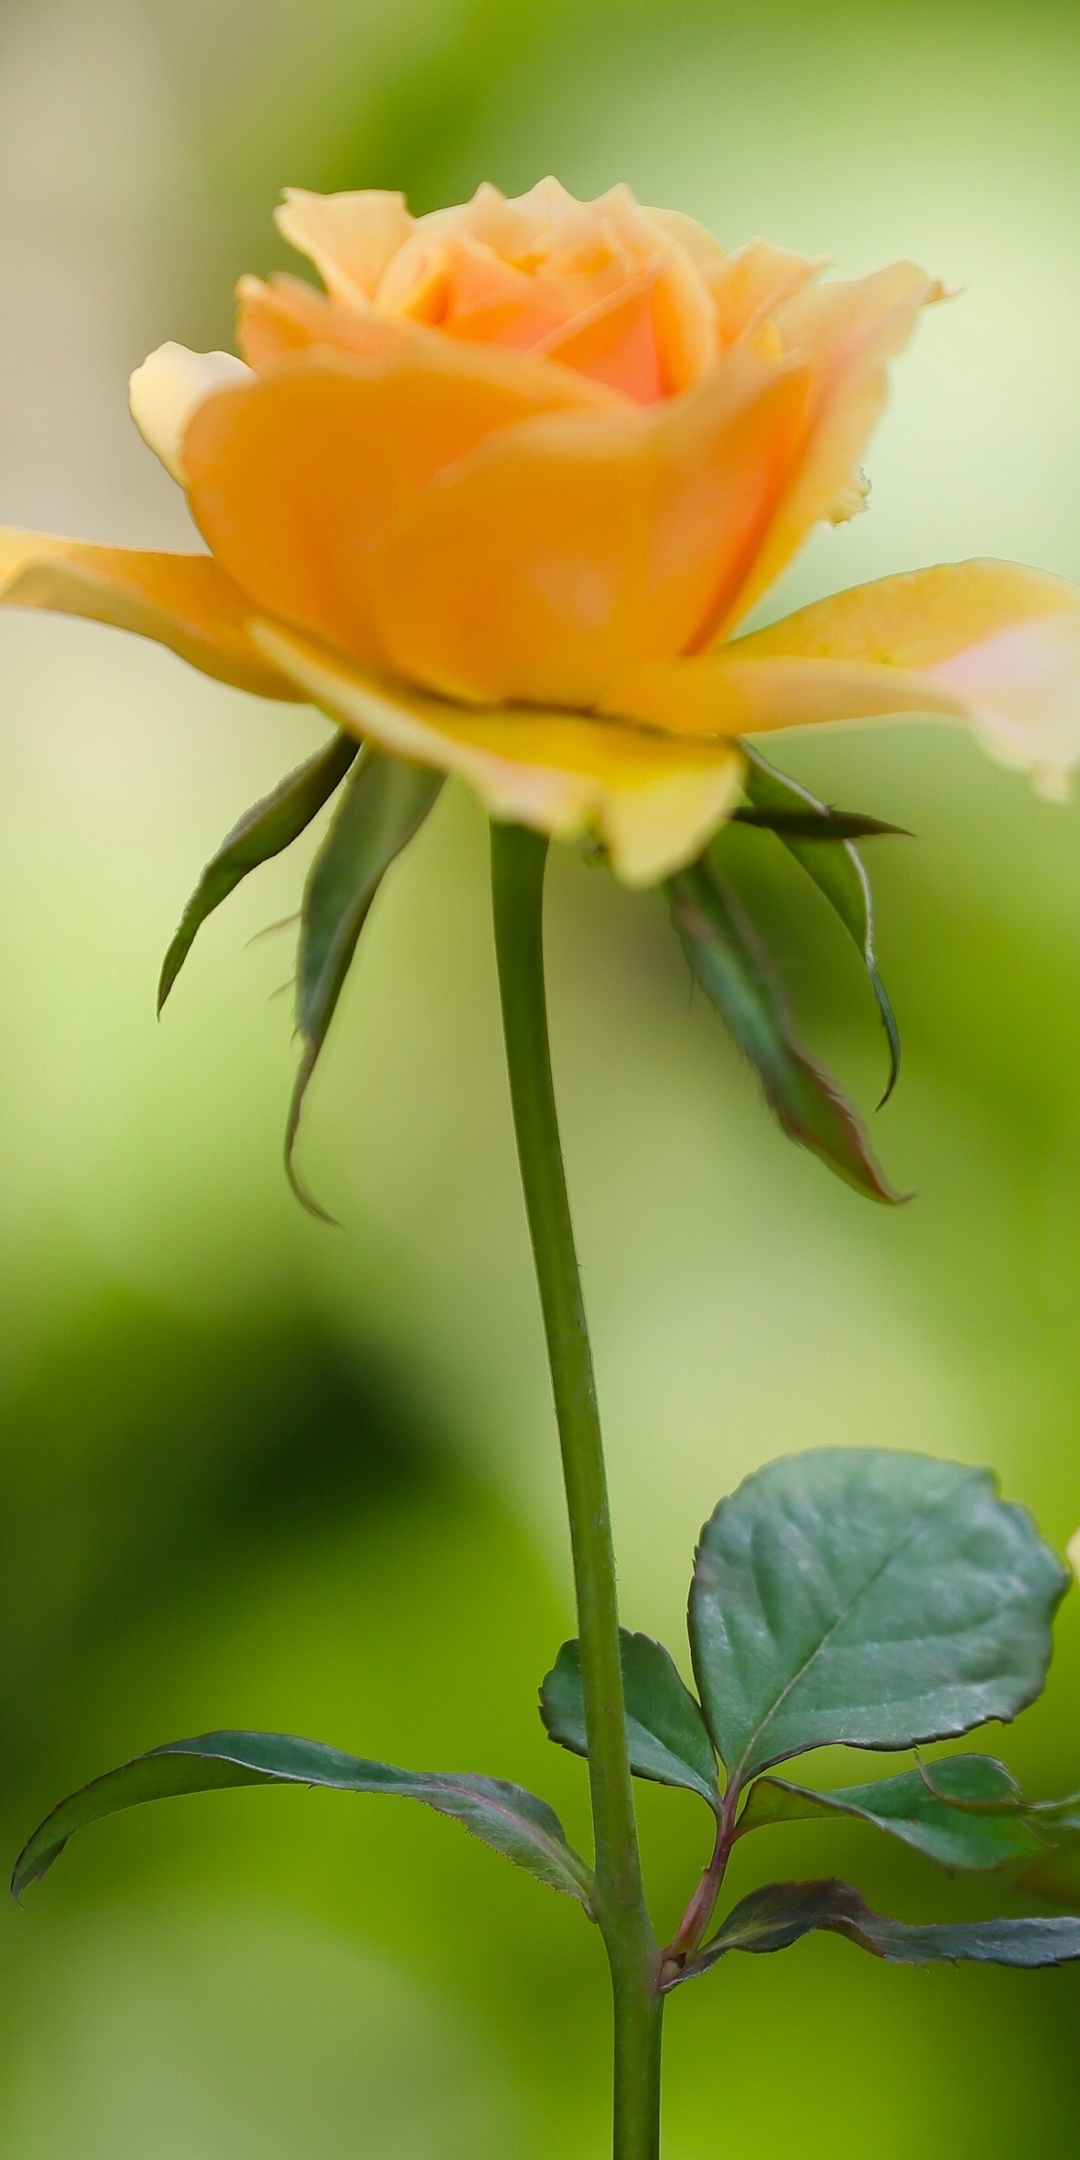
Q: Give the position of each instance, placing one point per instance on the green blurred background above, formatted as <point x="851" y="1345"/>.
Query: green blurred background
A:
<point x="256" y="1472"/>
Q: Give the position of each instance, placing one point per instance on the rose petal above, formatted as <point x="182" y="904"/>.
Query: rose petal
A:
<point x="651" y="338"/>
<point x="183" y="601"/>
<point x="718" y="694"/>
<point x="350" y="238"/>
<point x="164" y="392"/>
<point x="992" y="643"/>
<point x="567" y="549"/>
<point x="752" y="283"/>
<point x="294" y="476"/>
<point x="283" y="317"/>
<point x="652" y="800"/>
<point x="848" y="331"/>
<point x="697" y="241"/>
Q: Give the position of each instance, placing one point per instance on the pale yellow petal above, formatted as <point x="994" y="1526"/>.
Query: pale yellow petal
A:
<point x="350" y="238"/>
<point x="652" y="800"/>
<point x="719" y="694"/>
<point x="1001" y="641"/>
<point x="991" y="643"/>
<point x="167" y="389"/>
<point x="751" y="284"/>
<point x="704" y="250"/>
<point x="916" y="619"/>
<point x="183" y="601"/>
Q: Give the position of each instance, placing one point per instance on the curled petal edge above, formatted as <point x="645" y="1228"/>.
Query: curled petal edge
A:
<point x="166" y="391"/>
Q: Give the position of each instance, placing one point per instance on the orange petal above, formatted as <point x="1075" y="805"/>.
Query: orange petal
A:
<point x="285" y="316"/>
<point x="615" y="342"/>
<point x="1002" y="642"/>
<point x="183" y="601"/>
<point x="652" y="800"/>
<point x="570" y="548"/>
<point x="750" y="284"/>
<point x="650" y="339"/>
<point x="350" y="238"/>
<point x="848" y="331"/>
<point x="294" y="475"/>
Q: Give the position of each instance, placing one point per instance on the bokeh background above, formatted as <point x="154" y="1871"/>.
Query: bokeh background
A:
<point x="255" y="1472"/>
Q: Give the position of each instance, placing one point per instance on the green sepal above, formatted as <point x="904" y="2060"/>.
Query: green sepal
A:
<point x="866" y="1596"/>
<point x="777" y="1915"/>
<point x="666" y="1734"/>
<point x="821" y="824"/>
<point x="965" y="1811"/>
<point x="383" y="805"/>
<point x="728" y="960"/>
<point x="262" y="832"/>
<point x="504" y="1816"/>
<point x="838" y="871"/>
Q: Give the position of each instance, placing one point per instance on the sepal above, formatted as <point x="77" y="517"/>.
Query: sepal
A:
<point x="728" y="960"/>
<point x="383" y="804"/>
<point x="837" y="870"/>
<point x="264" y="831"/>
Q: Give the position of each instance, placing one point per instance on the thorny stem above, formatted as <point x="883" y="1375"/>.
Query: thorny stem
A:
<point x="518" y="859"/>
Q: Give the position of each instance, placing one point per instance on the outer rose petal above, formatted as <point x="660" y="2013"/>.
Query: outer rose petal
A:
<point x="183" y="601"/>
<point x="719" y="694"/>
<point x="849" y="331"/>
<point x="567" y="549"/>
<point x="294" y="476"/>
<point x="988" y="642"/>
<point x="349" y="238"/>
<point x="164" y="392"/>
<point x="653" y="800"/>
<point x="1001" y="641"/>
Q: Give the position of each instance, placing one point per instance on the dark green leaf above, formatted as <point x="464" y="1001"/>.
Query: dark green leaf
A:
<point x="728" y="961"/>
<point x="776" y="1916"/>
<point x="926" y="1812"/>
<point x="665" y="1730"/>
<point x="867" y="1596"/>
<point x="505" y="1816"/>
<point x="837" y="871"/>
<point x="263" y="831"/>
<point x="386" y="800"/>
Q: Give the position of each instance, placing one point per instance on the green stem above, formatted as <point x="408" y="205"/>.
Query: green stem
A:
<point x="518" y="859"/>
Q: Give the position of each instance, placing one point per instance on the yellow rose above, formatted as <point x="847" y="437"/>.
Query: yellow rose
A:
<point x="500" y="497"/>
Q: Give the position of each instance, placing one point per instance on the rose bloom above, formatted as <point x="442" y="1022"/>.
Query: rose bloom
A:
<point x="500" y="496"/>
